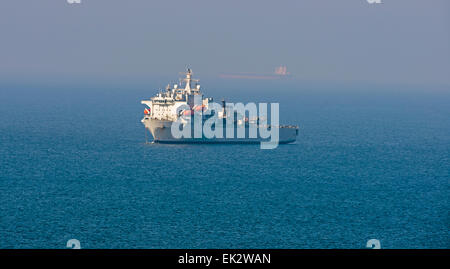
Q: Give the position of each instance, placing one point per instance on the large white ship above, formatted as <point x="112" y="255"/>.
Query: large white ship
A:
<point x="177" y="104"/>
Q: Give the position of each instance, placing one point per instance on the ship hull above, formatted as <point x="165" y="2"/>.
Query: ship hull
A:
<point x="161" y="133"/>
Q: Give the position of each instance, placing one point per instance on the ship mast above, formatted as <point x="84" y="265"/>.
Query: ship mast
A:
<point x="188" y="80"/>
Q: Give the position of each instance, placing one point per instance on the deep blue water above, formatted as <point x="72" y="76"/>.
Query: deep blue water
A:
<point x="367" y="164"/>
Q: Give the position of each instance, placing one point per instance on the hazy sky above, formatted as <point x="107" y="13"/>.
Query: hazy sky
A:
<point x="398" y="41"/>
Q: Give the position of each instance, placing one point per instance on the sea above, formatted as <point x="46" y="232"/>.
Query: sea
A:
<point x="370" y="162"/>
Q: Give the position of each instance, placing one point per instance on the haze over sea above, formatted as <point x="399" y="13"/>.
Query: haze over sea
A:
<point x="370" y="162"/>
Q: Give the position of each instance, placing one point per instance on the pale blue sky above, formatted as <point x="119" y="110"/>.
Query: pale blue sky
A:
<point x="399" y="41"/>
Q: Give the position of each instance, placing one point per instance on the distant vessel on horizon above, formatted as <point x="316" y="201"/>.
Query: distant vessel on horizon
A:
<point x="279" y="73"/>
<point x="177" y="104"/>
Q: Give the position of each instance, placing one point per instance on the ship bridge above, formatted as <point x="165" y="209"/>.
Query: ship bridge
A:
<point x="165" y="104"/>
